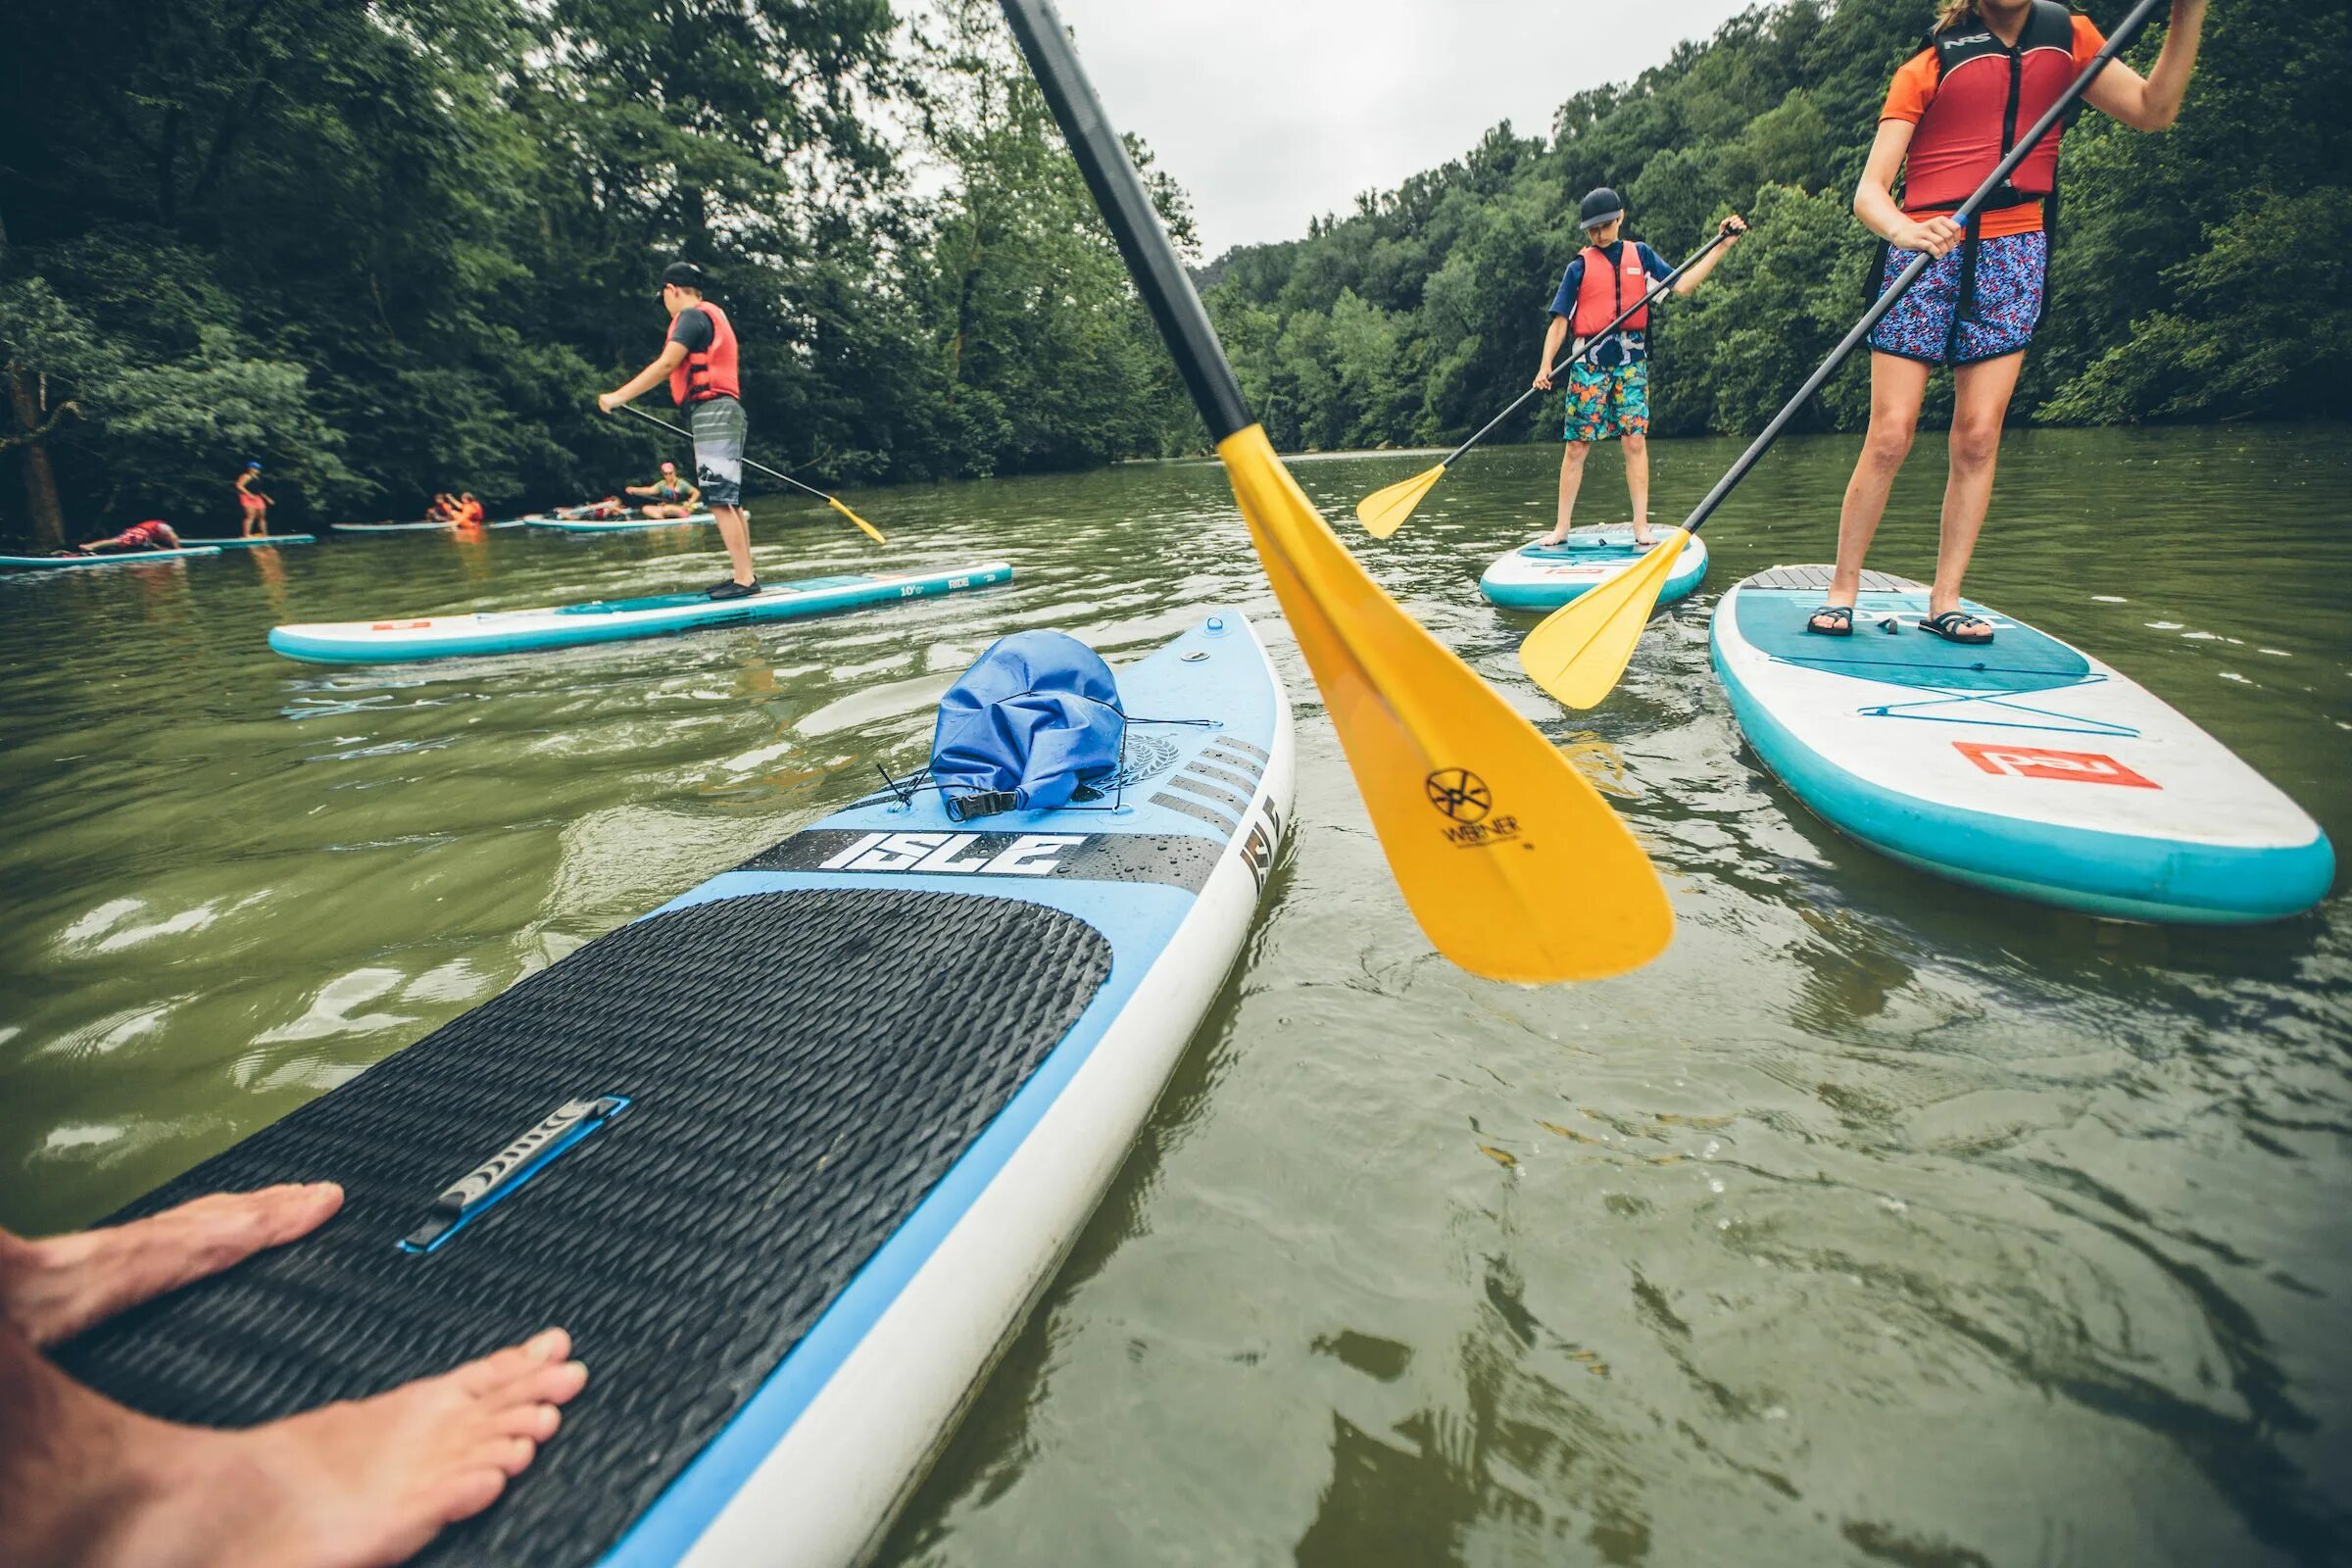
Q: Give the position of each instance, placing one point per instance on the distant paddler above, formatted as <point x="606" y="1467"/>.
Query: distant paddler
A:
<point x="251" y="503"/>
<point x="1952" y="113"/>
<point x="668" y="496"/>
<point x="699" y="361"/>
<point x="1609" y="385"/>
<point x="153" y="534"/>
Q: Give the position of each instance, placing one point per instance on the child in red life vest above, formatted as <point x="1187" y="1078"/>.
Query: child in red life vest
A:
<point x="1609" y="385"/>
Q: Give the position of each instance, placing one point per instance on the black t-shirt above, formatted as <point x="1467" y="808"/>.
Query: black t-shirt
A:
<point x="693" y="330"/>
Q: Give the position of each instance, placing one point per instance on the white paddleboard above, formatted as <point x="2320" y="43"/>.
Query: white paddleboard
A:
<point x="1539" y="576"/>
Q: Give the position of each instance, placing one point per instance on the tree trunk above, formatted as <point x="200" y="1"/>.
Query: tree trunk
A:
<point x="41" y="509"/>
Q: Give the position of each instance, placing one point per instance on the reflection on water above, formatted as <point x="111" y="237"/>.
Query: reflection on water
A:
<point x="1880" y="1221"/>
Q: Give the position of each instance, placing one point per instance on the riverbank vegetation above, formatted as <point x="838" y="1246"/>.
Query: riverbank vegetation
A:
<point x="393" y="247"/>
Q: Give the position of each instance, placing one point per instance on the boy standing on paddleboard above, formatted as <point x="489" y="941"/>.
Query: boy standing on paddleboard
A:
<point x="1991" y="67"/>
<point x="699" y="361"/>
<point x="1608" y="388"/>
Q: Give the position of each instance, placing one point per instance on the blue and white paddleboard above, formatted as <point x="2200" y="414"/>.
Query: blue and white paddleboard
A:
<point x="628" y="524"/>
<point x="612" y="620"/>
<point x="116" y="557"/>
<point x="257" y="542"/>
<point x="2024" y="764"/>
<point x="422" y="528"/>
<point x="791" y="1157"/>
<point x="1541" y="576"/>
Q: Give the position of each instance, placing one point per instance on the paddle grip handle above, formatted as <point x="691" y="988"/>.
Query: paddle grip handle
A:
<point x="1152" y="258"/>
<point x="1919" y="264"/>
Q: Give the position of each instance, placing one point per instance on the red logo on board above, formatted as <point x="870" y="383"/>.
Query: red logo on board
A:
<point x="2067" y="768"/>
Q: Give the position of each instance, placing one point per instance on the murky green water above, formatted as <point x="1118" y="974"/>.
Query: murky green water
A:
<point x="1880" y="1221"/>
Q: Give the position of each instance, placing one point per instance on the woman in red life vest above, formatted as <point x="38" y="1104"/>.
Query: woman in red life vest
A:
<point x="698" y="359"/>
<point x="1989" y="72"/>
<point x="470" y="512"/>
<point x="1609" y="386"/>
<point x="153" y="534"/>
<point x="254" y="504"/>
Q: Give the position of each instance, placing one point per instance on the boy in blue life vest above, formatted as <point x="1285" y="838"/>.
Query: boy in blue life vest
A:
<point x="1609" y="385"/>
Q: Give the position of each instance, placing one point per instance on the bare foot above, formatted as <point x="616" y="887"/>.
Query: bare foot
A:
<point x="357" y="1485"/>
<point x="1555" y="537"/>
<point x="52" y="1289"/>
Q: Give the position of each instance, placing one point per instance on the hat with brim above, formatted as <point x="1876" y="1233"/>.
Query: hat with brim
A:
<point x="1603" y="206"/>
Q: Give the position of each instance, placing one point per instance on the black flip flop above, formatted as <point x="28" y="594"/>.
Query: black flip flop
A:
<point x="1952" y="626"/>
<point x="1840" y="625"/>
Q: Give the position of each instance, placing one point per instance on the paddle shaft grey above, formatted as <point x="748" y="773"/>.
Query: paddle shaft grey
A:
<point x="1590" y="343"/>
<point x="680" y="430"/>
<point x="1910" y="274"/>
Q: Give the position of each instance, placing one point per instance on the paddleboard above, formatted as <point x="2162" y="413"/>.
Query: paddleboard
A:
<point x="617" y="525"/>
<point x="2024" y="766"/>
<point x="262" y="542"/>
<point x="791" y="1157"/>
<point x="1539" y="576"/>
<point x="420" y="527"/>
<point x="120" y="558"/>
<point x="608" y="621"/>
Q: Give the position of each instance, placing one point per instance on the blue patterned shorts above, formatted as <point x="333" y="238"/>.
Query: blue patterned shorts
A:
<point x="2011" y="273"/>
<point x="1606" y="399"/>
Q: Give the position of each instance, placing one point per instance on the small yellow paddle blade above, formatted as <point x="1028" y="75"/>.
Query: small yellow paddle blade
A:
<point x="1582" y="647"/>
<point x="1383" y="512"/>
<point x="1511" y="861"/>
<point x="874" y="532"/>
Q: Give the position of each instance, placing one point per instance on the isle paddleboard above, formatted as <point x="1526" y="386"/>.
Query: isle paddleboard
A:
<point x="606" y="621"/>
<point x="1541" y="576"/>
<point x="790" y="1156"/>
<point x="119" y="557"/>
<point x="420" y="527"/>
<point x="259" y="542"/>
<point x="629" y="524"/>
<point x="2024" y="766"/>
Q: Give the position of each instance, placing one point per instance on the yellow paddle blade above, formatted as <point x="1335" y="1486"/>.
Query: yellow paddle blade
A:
<point x="1581" y="649"/>
<point x="1383" y="512"/>
<point x="871" y="529"/>
<point x="1513" y="865"/>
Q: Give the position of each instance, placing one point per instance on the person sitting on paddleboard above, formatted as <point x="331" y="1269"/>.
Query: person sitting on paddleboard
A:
<point x="444" y="507"/>
<point x="153" y="534"/>
<point x="1608" y="388"/>
<point x="254" y="504"/>
<point x="668" y="496"/>
<point x="1990" y="69"/>
<point x="596" y="511"/>
<point x="698" y="359"/>
<point x="85" y="1480"/>
<point x="470" y="512"/>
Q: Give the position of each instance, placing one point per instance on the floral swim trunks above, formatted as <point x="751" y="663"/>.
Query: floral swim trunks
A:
<point x="1927" y="323"/>
<point x="1606" y="399"/>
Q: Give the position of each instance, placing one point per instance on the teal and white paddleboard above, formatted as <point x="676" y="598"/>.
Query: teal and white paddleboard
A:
<point x="608" y="621"/>
<point x="2022" y="764"/>
<point x="1541" y="576"/>
<point x="257" y="542"/>
<point x="119" y="557"/>
<point x="418" y="527"/>
<point x="628" y="524"/>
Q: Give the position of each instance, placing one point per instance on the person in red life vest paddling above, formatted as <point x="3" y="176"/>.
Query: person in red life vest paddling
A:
<point x="699" y="361"/>
<point x="668" y="496"/>
<point x="470" y="512"/>
<point x="1608" y="388"/>
<point x="1989" y="71"/>
<point x="153" y="534"/>
<point x="444" y="507"/>
<point x="254" y="504"/>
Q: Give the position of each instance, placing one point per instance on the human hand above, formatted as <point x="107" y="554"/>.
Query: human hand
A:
<point x="1936" y="235"/>
<point x="1543" y="381"/>
<point x="1733" y="228"/>
<point x="606" y="402"/>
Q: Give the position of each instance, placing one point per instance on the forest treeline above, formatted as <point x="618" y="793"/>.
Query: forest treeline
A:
<point x="386" y="247"/>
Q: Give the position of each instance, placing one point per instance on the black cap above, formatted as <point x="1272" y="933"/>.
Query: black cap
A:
<point x="685" y="275"/>
<point x="1603" y="206"/>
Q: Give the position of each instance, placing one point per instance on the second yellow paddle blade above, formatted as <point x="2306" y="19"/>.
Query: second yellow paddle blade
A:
<point x="1511" y="861"/>
<point x="1383" y="512"/>
<point x="875" y="532"/>
<point x="1581" y="649"/>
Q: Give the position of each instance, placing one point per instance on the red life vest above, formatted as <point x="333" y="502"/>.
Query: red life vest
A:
<point x="710" y="373"/>
<point x="1606" y="290"/>
<point x="1986" y="95"/>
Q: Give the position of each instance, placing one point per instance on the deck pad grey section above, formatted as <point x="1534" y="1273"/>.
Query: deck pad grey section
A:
<point x="1815" y="579"/>
<point x="803" y="1066"/>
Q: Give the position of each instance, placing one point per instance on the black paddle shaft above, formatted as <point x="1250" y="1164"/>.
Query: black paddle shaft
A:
<point x="1151" y="260"/>
<point x="1591" y="343"/>
<point x="1910" y="274"/>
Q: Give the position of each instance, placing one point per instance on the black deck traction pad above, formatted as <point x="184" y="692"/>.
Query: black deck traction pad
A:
<point x="803" y="1066"/>
<point x="1817" y="579"/>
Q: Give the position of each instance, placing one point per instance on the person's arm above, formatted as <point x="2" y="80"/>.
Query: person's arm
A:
<point x="1734" y="227"/>
<point x="1873" y="197"/>
<point x="2153" y="102"/>
<point x="1553" y="336"/>
<point x="639" y="489"/>
<point x="674" y="354"/>
<point x="694" y="495"/>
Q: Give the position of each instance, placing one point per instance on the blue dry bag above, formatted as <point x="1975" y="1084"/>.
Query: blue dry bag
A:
<point x="1034" y="718"/>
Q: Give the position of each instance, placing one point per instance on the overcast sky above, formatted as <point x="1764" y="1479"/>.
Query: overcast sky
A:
<point x="1270" y="112"/>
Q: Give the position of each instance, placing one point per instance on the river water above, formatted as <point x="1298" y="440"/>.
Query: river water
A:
<point x="1880" y="1221"/>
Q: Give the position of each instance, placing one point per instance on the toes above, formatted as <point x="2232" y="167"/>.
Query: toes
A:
<point x="537" y="1422"/>
<point x="469" y="1491"/>
<point x="495" y="1371"/>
